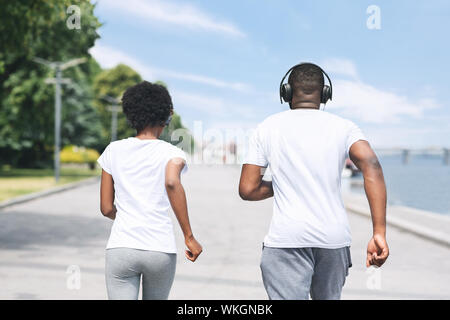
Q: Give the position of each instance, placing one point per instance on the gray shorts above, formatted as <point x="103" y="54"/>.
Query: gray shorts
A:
<point x="296" y="273"/>
<point x="124" y="268"/>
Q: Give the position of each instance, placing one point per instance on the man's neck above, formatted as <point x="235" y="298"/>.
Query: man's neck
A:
<point x="305" y="105"/>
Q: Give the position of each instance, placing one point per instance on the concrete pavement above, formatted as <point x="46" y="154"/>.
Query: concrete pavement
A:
<point x="42" y="242"/>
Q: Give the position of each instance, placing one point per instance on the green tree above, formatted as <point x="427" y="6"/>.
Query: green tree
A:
<point x="113" y="83"/>
<point x="81" y="121"/>
<point x="37" y="28"/>
<point x="182" y="136"/>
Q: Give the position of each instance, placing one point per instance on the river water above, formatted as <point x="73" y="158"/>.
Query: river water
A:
<point x="423" y="183"/>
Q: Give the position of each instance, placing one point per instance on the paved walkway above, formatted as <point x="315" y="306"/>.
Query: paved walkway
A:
<point x="41" y="239"/>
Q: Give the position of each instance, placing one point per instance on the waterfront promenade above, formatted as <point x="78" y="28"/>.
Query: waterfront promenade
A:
<point x="41" y="240"/>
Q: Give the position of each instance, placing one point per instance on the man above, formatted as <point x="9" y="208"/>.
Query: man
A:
<point x="306" y="251"/>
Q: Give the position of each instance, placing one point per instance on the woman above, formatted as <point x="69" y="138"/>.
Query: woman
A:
<point x="140" y="179"/>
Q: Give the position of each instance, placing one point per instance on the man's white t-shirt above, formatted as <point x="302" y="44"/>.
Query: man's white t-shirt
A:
<point x="305" y="150"/>
<point x="138" y="170"/>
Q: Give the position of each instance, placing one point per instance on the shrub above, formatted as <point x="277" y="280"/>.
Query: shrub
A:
<point x="75" y="154"/>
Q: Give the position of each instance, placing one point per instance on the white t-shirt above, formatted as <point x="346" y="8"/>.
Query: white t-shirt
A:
<point x="305" y="150"/>
<point x="138" y="170"/>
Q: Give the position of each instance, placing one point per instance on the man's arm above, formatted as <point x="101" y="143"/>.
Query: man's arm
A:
<point x="177" y="198"/>
<point x="251" y="186"/>
<point x="107" y="206"/>
<point x="365" y="159"/>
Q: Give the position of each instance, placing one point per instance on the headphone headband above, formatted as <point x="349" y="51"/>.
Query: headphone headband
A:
<point x="286" y="90"/>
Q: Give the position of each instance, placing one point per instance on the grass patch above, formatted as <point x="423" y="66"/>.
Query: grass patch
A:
<point x="16" y="182"/>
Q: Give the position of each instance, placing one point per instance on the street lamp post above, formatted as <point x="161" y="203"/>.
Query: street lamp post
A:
<point x="56" y="159"/>
<point x="114" y="108"/>
<point x="57" y="81"/>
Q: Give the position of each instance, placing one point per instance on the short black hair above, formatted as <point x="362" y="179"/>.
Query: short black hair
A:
<point x="306" y="78"/>
<point x="146" y="105"/>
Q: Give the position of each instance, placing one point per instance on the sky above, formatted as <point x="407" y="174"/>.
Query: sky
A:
<point x="223" y="60"/>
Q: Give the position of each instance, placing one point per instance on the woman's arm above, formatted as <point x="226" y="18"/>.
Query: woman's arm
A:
<point x="177" y="198"/>
<point x="107" y="206"/>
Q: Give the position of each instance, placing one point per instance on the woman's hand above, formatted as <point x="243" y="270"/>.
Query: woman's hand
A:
<point x="194" y="248"/>
<point x="107" y="206"/>
<point x="177" y="198"/>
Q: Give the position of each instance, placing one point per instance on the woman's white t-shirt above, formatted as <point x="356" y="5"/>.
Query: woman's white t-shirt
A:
<point x="138" y="170"/>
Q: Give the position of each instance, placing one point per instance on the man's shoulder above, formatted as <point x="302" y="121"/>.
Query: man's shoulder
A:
<point x="324" y="118"/>
<point x="274" y="118"/>
<point x="287" y="114"/>
<point x="338" y="119"/>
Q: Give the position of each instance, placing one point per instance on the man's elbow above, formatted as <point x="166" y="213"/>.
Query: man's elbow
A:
<point x="245" y="193"/>
<point x="106" y="210"/>
<point x="373" y="173"/>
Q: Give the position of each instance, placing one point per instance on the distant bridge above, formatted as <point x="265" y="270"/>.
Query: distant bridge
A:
<point x="407" y="152"/>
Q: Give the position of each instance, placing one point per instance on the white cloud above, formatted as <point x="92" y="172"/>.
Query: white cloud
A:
<point x="340" y="66"/>
<point x="218" y="107"/>
<point x="200" y="103"/>
<point x="362" y="101"/>
<point x="205" y="80"/>
<point x="387" y="115"/>
<point x="352" y="98"/>
<point x="367" y="103"/>
<point x="109" y="57"/>
<point x="176" y="13"/>
<point x="204" y="105"/>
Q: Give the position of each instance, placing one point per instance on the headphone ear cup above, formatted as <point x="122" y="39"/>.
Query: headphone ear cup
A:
<point x="286" y="92"/>
<point x="326" y="94"/>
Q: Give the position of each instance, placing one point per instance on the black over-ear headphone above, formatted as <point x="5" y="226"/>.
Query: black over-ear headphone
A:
<point x="286" y="90"/>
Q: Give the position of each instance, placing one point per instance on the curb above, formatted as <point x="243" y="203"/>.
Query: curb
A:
<point x="404" y="225"/>
<point x="40" y="194"/>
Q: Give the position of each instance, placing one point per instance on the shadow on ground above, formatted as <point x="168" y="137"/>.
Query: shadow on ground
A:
<point x="25" y="230"/>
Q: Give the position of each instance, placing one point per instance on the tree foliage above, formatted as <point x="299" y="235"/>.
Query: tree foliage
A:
<point x="37" y="28"/>
<point x="182" y="137"/>
<point x="113" y="83"/>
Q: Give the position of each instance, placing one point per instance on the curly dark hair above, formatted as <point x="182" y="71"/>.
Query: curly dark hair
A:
<point x="307" y="78"/>
<point x="146" y="105"/>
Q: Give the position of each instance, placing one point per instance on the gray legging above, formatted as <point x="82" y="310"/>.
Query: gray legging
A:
<point x="124" y="267"/>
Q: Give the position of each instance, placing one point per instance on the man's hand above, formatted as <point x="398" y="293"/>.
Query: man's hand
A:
<point x="194" y="248"/>
<point x="377" y="251"/>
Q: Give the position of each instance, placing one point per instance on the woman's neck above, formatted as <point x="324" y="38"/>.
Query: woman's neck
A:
<point x="150" y="133"/>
